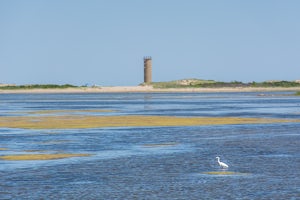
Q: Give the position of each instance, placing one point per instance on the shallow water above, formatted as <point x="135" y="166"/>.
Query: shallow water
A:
<point x="155" y="162"/>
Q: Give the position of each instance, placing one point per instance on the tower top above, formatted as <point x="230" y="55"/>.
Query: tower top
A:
<point x="147" y="58"/>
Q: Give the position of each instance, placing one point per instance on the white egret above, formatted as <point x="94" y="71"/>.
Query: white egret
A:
<point x="221" y="164"/>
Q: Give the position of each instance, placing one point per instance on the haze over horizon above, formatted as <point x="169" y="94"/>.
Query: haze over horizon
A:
<point x="104" y="42"/>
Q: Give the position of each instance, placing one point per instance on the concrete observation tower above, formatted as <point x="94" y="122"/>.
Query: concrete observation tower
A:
<point x="147" y="69"/>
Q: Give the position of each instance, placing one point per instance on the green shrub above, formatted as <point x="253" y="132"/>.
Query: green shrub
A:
<point x="37" y="86"/>
<point x="276" y="84"/>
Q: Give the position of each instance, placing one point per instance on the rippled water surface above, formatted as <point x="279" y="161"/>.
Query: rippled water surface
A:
<point x="155" y="162"/>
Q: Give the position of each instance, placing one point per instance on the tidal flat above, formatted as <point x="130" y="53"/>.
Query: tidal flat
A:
<point x="149" y="145"/>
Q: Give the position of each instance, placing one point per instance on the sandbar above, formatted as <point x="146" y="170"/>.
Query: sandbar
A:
<point x="148" y="89"/>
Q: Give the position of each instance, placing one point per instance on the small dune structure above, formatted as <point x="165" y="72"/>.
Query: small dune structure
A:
<point x="147" y="69"/>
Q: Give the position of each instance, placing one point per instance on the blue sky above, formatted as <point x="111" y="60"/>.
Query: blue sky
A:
<point x="104" y="42"/>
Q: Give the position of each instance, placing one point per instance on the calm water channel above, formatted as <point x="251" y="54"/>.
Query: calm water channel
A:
<point x="156" y="162"/>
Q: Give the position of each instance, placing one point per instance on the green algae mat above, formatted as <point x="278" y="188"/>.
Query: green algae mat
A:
<point x="73" y="121"/>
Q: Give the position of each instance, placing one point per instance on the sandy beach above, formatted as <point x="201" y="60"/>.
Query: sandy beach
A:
<point x="147" y="89"/>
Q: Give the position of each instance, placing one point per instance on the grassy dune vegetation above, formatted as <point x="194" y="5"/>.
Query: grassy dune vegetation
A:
<point x="184" y="83"/>
<point x="36" y="86"/>
<point x="71" y="121"/>
<point x="198" y="83"/>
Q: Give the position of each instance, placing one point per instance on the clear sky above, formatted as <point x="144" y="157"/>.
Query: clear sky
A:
<point x="103" y="42"/>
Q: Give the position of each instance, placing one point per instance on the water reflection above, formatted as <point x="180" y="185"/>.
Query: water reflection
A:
<point x="147" y="102"/>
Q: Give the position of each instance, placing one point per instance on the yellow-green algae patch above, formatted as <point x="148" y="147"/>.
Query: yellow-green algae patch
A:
<point x="40" y="156"/>
<point x="73" y="121"/>
<point x="224" y="173"/>
<point x="3" y="149"/>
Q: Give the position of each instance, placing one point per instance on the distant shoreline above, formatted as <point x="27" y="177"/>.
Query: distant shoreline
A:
<point x="148" y="89"/>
